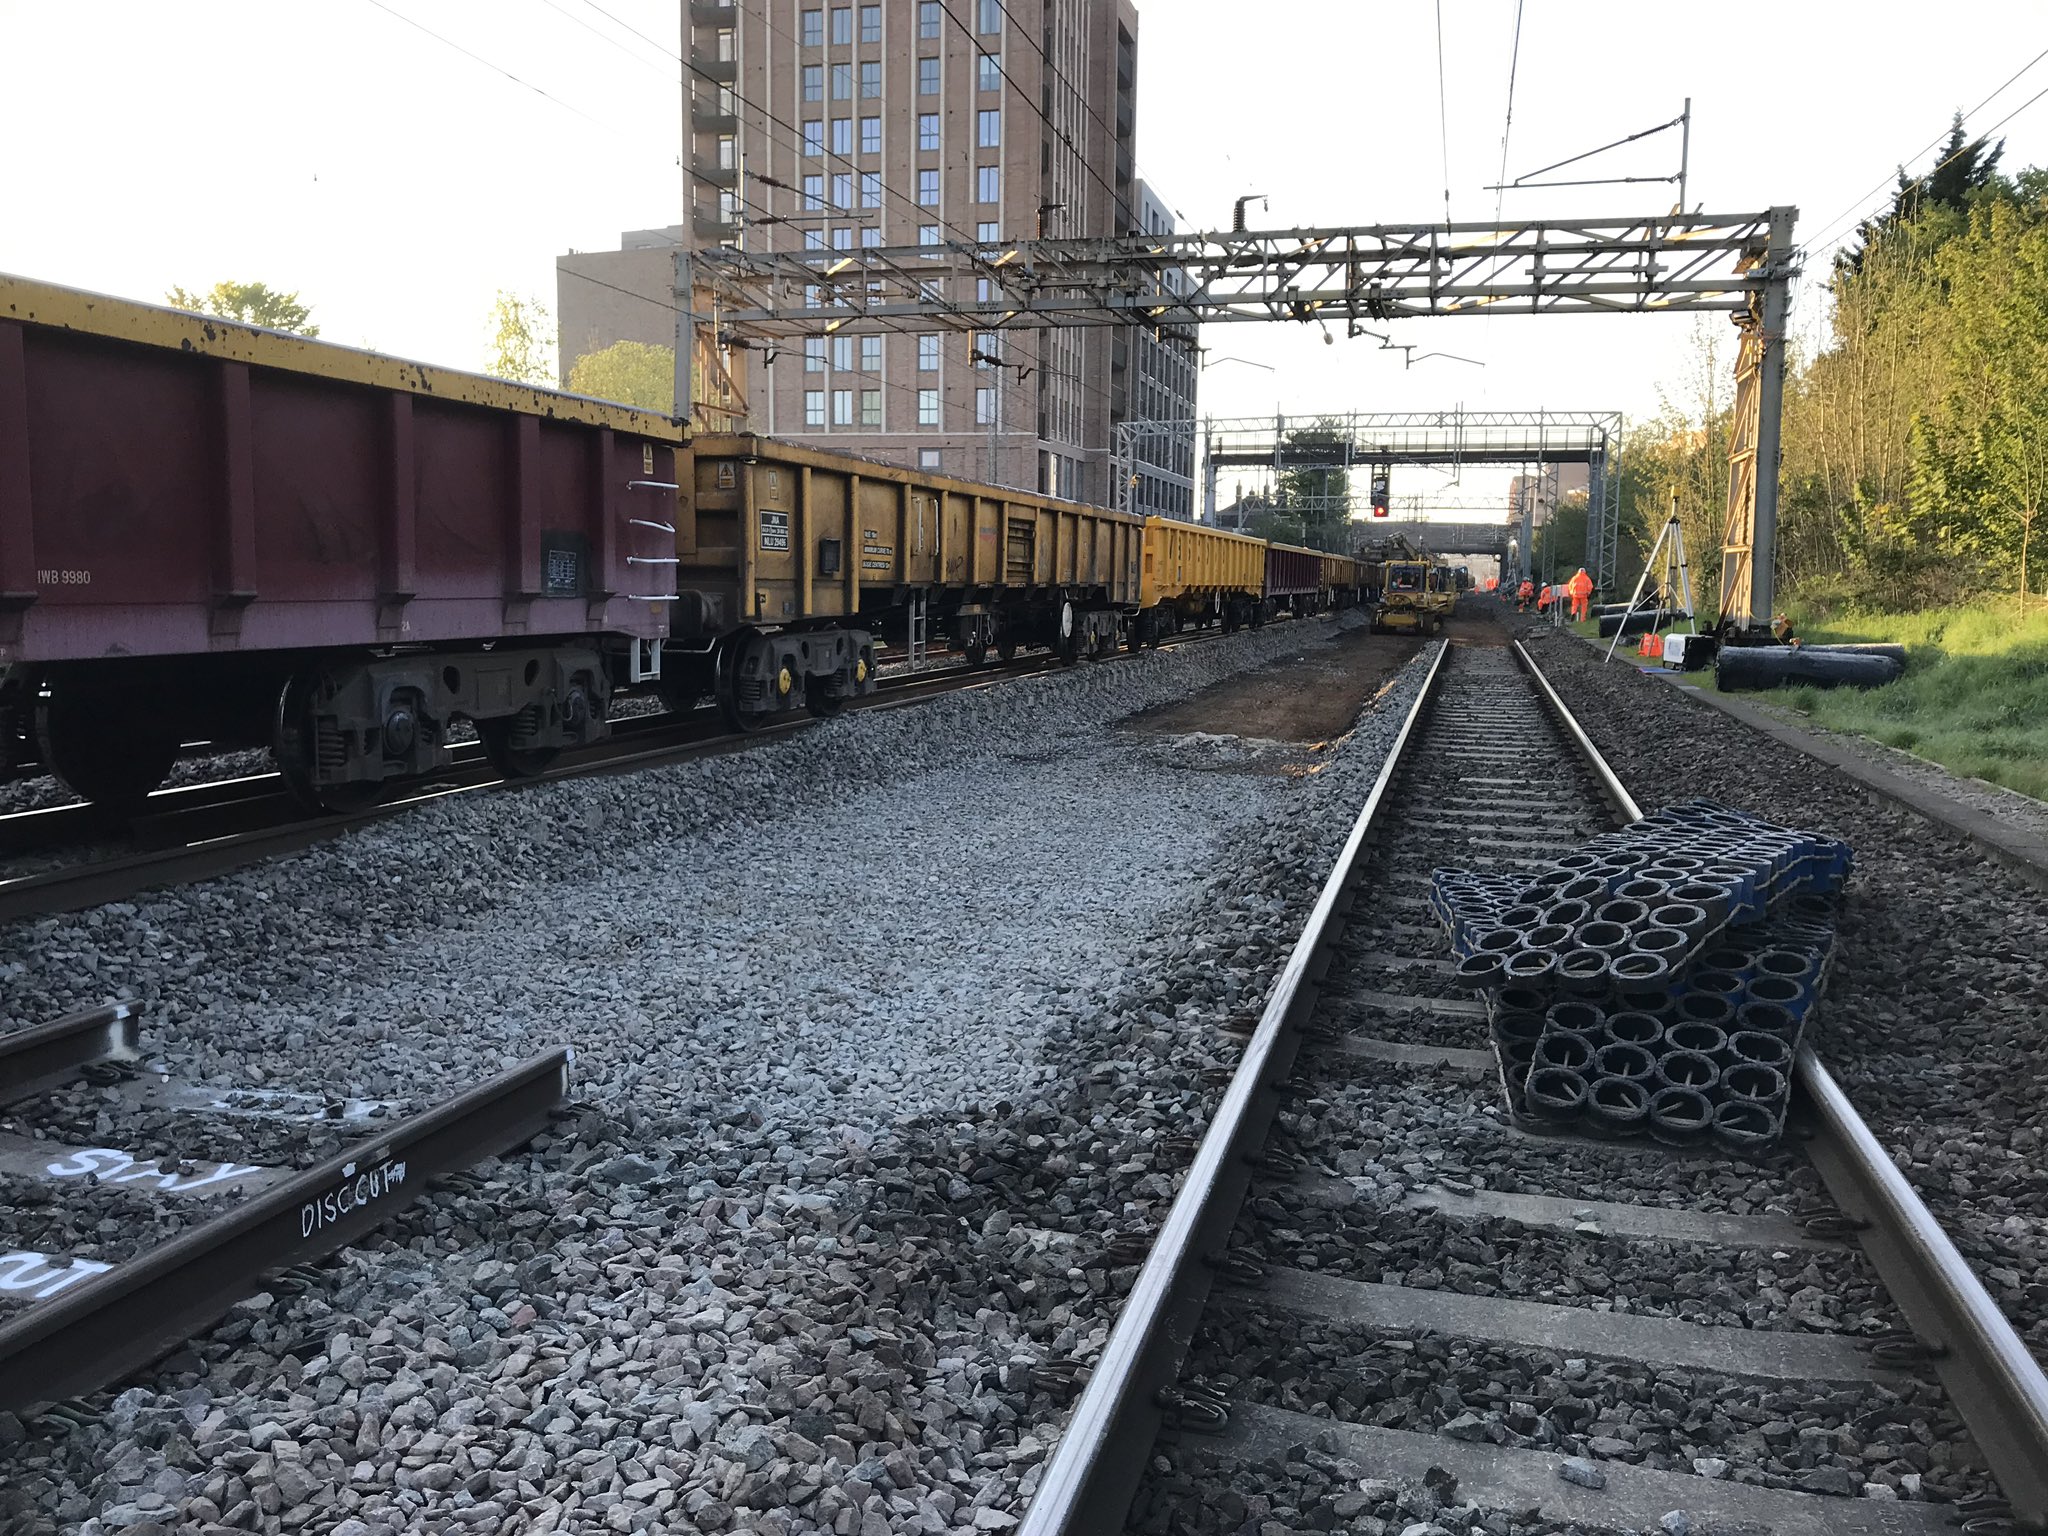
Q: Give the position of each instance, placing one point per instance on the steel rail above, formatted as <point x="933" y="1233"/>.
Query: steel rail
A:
<point x="1611" y="787"/>
<point x="31" y="1059"/>
<point x="1100" y="1458"/>
<point x="1994" y="1382"/>
<point x="116" y="1322"/>
<point x="1997" y="1386"/>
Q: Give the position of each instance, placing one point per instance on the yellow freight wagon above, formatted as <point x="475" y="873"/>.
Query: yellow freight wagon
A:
<point x="1342" y="580"/>
<point x="1195" y="574"/>
<point x="791" y="565"/>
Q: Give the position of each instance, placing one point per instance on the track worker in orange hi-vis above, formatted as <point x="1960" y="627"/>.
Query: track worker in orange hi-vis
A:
<point x="1581" y="589"/>
<point x="1543" y="599"/>
<point x="1523" y="593"/>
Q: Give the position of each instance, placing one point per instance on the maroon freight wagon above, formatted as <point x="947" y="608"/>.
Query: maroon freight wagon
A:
<point x="213" y="531"/>
<point x="1294" y="579"/>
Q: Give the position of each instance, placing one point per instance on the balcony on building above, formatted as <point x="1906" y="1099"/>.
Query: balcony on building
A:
<point x="713" y="13"/>
<point x="707" y="169"/>
<point x="708" y="66"/>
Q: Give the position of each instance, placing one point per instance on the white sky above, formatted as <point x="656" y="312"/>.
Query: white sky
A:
<point x="398" y="184"/>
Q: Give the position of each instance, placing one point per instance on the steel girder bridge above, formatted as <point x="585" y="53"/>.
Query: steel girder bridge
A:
<point x="1381" y="439"/>
<point x="1738" y="264"/>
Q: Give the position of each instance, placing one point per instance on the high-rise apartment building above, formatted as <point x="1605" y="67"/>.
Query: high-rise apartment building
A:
<point x="1161" y="457"/>
<point x="839" y="125"/>
<point x="835" y="124"/>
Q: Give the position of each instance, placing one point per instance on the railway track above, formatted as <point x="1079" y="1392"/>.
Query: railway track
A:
<point x="72" y="1322"/>
<point x="1376" y="1296"/>
<point x="201" y="831"/>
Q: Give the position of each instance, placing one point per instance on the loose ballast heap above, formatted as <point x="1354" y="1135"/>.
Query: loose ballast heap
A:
<point x="1660" y="978"/>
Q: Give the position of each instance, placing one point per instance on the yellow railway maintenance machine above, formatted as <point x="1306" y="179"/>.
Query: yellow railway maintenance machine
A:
<point x="1414" y="598"/>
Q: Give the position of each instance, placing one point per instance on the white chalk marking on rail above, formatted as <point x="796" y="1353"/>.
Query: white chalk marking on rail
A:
<point x="39" y="1276"/>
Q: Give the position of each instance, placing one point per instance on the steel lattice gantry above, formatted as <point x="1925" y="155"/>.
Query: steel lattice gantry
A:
<point x="1455" y="437"/>
<point x="1739" y="264"/>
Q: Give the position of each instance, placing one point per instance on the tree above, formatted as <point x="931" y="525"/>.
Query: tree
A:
<point x="250" y="303"/>
<point x="1961" y="167"/>
<point x="630" y="372"/>
<point x="1319" y="493"/>
<point x="523" y="346"/>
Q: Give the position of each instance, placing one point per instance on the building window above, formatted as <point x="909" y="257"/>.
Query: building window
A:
<point x="842" y="24"/>
<point x="988" y="183"/>
<point x="927" y="234"/>
<point x="871" y="407"/>
<point x="928" y="189"/>
<point x="842" y="407"/>
<point x="814" y="29"/>
<point x="871" y="189"/>
<point x="842" y="82"/>
<point x="984" y="290"/>
<point x="814" y="354"/>
<point x="871" y="23"/>
<point x="842" y="136"/>
<point x="991" y="72"/>
<point x="842" y="239"/>
<point x="869" y="235"/>
<point x="728" y="152"/>
<point x="927" y="77"/>
<point x="927" y="354"/>
<point x="928" y="18"/>
<point x="927" y="407"/>
<point x="814" y="139"/>
<point x="991" y="123"/>
<point x="871" y="77"/>
<point x="814" y="407"/>
<point x="814" y="82"/>
<point x="984" y="406"/>
<point x="814" y="239"/>
<point x="927" y="130"/>
<point x="927" y="458"/>
<point x="871" y="135"/>
<point x="990" y="19"/>
<point x="871" y="354"/>
<point x="725" y="53"/>
<point x="813" y="297"/>
<point x="814" y="194"/>
<point x="842" y="190"/>
<point x="987" y="232"/>
<point x="842" y="353"/>
<point x="988" y="345"/>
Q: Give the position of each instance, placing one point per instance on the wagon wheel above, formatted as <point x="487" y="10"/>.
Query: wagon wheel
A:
<point x="513" y="762"/>
<point x="102" y="744"/>
<point x="292" y="744"/>
<point x="821" y="704"/>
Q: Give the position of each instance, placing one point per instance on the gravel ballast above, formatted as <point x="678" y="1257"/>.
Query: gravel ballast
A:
<point x="861" y="1016"/>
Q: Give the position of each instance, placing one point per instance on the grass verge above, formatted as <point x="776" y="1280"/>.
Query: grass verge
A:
<point x="1974" y="697"/>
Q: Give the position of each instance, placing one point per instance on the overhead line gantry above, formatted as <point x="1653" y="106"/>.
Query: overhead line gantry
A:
<point x="1738" y="264"/>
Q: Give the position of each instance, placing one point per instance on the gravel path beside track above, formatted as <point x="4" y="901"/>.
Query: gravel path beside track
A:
<point x="1936" y="1020"/>
<point x="835" y="1067"/>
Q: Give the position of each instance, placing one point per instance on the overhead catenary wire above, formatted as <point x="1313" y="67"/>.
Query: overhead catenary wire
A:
<point x="1855" y="214"/>
<point x="1443" y="114"/>
<point x="1508" y="124"/>
<point x="496" y="68"/>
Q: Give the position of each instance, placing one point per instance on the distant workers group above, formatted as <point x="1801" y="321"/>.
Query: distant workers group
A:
<point x="1576" y="593"/>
